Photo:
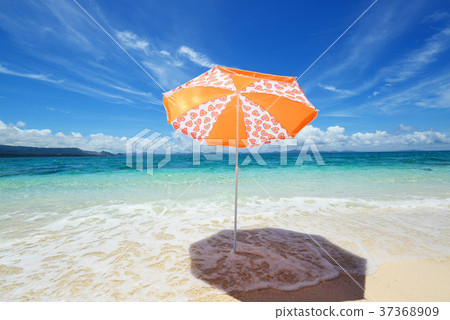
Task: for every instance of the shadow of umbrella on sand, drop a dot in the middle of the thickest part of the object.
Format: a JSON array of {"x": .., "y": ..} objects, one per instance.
[{"x": 278, "y": 265}]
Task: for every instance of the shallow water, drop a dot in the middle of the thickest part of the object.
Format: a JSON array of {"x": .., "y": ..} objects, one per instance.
[{"x": 94, "y": 229}]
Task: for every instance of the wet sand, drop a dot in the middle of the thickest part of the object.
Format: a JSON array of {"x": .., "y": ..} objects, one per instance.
[{"x": 412, "y": 281}]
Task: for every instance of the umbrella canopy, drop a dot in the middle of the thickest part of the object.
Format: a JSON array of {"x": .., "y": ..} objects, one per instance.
[
  {"x": 224, "y": 103},
  {"x": 238, "y": 108}
]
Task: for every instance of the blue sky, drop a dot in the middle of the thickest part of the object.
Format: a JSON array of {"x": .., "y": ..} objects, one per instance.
[{"x": 64, "y": 82}]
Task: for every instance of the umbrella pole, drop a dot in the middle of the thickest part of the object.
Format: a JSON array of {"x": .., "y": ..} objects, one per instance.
[{"x": 236, "y": 172}]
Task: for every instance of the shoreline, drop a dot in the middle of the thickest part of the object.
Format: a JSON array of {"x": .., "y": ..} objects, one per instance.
[{"x": 419, "y": 280}]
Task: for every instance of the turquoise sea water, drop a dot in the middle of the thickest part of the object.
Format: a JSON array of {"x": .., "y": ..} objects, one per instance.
[{"x": 64, "y": 220}]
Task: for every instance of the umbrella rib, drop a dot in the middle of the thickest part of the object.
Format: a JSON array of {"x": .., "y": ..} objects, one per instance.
[
  {"x": 268, "y": 96},
  {"x": 140, "y": 236},
  {"x": 225, "y": 110},
  {"x": 314, "y": 240}
]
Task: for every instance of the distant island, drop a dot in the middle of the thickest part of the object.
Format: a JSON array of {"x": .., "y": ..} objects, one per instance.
[{"x": 19, "y": 151}]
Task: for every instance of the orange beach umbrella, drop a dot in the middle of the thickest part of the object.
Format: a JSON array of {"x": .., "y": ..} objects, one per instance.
[{"x": 238, "y": 108}]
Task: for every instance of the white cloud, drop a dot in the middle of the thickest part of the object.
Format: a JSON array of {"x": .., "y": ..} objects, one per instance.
[
  {"x": 48, "y": 21},
  {"x": 160, "y": 71},
  {"x": 170, "y": 59},
  {"x": 12, "y": 135},
  {"x": 334, "y": 89},
  {"x": 147, "y": 96},
  {"x": 403, "y": 128},
  {"x": 166, "y": 66},
  {"x": 409, "y": 66},
  {"x": 428, "y": 93},
  {"x": 88, "y": 90},
  {"x": 168, "y": 74},
  {"x": 342, "y": 114},
  {"x": 367, "y": 40},
  {"x": 437, "y": 16},
  {"x": 359, "y": 52},
  {"x": 40, "y": 77},
  {"x": 416, "y": 60},
  {"x": 182, "y": 143},
  {"x": 20, "y": 124},
  {"x": 195, "y": 57},
  {"x": 331, "y": 139},
  {"x": 57, "y": 110},
  {"x": 88, "y": 60},
  {"x": 132, "y": 91},
  {"x": 374, "y": 94},
  {"x": 437, "y": 97},
  {"x": 334, "y": 138},
  {"x": 97, "y": 93},
  {"x": 130, "y": 40}
]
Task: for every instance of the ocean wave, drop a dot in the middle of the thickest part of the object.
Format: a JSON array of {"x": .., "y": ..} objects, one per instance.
[{"x": 140, "y": 251}]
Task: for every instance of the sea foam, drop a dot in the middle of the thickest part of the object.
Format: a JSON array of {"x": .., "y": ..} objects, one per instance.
[{"x": 135, "y": 251}]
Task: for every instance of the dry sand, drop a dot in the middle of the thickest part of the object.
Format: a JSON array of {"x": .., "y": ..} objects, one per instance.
[{"x": 415, "y": 280}]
